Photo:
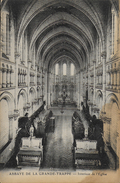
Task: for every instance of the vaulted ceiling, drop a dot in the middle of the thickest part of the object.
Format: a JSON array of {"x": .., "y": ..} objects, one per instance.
[{"x": 61, "y": 27}]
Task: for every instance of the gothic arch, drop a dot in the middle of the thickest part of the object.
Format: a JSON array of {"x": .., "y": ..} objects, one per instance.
[
  {"x": 24, "y": 95},
  {"x": 32, "y": 91},
  {"x": 99, "y": 94},
  {"x": 112, "y": 98},
  {"x": 99, "y": 97},
  {"x": 9, "y": 98}
]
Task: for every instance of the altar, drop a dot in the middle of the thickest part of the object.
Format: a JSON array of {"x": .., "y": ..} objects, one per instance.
[
  {"x": 30, "y": 153},
  {"x": 67, "y": 100}
]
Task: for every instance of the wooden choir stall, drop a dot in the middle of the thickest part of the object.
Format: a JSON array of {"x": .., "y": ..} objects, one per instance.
[{"x": 31, "y": 152}]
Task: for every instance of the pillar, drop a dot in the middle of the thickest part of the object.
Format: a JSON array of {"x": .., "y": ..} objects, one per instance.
[
  {"x": 103, "y": 55},
  {"x": 7, "y": 78},
  {"x": 112, "y": 79},
  {"x": 118, "y": 78},
  {"x": 17, "y": 60},
  {"x": 23, "y": 48},
  {"x": 3, "y": 77},
  {"x": 28, "y": 79},
  {"x": 22, "y": 77},
  {"x": 113, "y": 19},
  {"x": 94, "y": 82},
  {"x": 115, "y": 77},
  {"x": 79, "y": 91},
  {"x": 81, "y": 88},
  {"x": 109, "y": 79},
  {"x": 45, "y": 87},
  {"x": 48, "y": 89},
  {"x": 36, "y": 74},
  {"x": 10, "y": 78}
]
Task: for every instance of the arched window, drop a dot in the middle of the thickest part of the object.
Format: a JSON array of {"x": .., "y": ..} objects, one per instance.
[
  {"x": 72, "y": 68},
  {"x": 56, "y": 68},
  {"x": 64, "y": 69}
]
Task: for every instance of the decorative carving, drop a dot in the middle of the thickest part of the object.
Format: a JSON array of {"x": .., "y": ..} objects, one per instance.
[
  {"x": 103, "y": 54},
  {"x": 10, "y": 116},
  {"x": 32, "y": 74},
  {"x": 17, "y": 55},
  {"x": 26, "y": 107},
  {"x": 4, "y": 69},
  {"x": 16, "y": 114},
  {"x": 29, "y": 61},
  {"x": 23, "y": 62},
  {"x": 32, "y": 66}
]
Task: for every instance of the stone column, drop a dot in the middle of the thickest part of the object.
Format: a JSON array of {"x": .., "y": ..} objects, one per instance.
[
  {"x": 1, "y": 78},
  {"x": 79, "y": 91},
  {"x": 113, "y": 24},
  {"x": 101, "y": 78},
  {"x": 7, "y": 71},
  {"x": 61, "y": 63},
  {"x": 36, "y": 66},
  {"x": 4, "y": 77},
  {"x": 45, "y": 86},
  {"x": 103, "y": 55},
  {"x": 77, "y": 87},
  {"x": 109, "y": 79},
  {"x": 17, "y": 61},
  {"x": 81, "y": 88},
  {"x": 115, "y": 78},
  {"x": 22, "y": 77},
  {"x": 52, "y": 89},
  {"x": 19, "y": 79},
  {"x": 28, "y": 79},
  {"x": 23, "y": 48},
  {"x": 89, "y": 93},
  {"x": 8, "y": 77},
  {"x": 48, "y": 89},
  {"x": 118, "y": 78},
  {"x": 94, "y": 83},
  {"x": 112, "y": 79}
]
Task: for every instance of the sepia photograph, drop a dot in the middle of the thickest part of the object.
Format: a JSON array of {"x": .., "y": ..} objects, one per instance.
[{"x": 60, "y": 91}]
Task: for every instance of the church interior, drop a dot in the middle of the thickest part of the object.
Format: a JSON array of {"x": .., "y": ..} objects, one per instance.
[{"x": 60, "y": 84}]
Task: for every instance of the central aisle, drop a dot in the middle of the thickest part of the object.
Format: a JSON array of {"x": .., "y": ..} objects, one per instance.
[{"x": 58, "y": 149}]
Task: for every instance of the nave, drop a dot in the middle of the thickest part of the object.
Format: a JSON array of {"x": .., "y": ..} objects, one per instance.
[{"x": 58, "y": 149}]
